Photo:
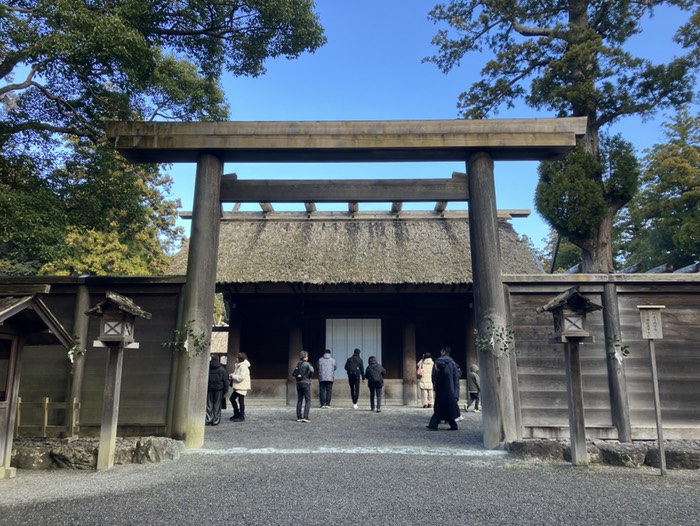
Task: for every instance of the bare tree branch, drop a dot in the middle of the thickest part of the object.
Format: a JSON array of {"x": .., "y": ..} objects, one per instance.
[{"x": 22, "y": 85}]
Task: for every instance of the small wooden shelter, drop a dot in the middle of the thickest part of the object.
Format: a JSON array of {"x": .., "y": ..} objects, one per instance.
[{"x": 24, "y": 320}]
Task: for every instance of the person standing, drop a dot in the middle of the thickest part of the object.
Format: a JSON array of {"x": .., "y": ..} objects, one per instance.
[
  {"x": 424, "y": 372},
  {"x": 445, "y": 402},
  {"x": 240, "y": 381},
  {"x": 216, "y": 388},
  {"x": 473, "y": 388},
  {"x": 355, "y": 368},
  {"x": 445, "y": 378},
  {"x": 302, "y": 374},
  {"x": 375, "y": 381},
  {"x": 326, "y": 376}
]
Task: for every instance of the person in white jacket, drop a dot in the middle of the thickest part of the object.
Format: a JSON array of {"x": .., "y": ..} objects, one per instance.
[
  {"x": 240, "y": 381},
  {"x": 424, "y": 371}
]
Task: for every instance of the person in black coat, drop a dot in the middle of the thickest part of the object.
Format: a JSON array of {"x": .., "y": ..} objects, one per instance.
[
  {"x": 217, "y": 387},
  {"x": 355, "y": 368},
  {"x": 375, "y": 381},
  {"x": 445, "y": 383}
]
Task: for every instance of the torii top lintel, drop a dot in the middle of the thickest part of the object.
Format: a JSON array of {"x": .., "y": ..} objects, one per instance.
[{"x": 346, "y": 141}]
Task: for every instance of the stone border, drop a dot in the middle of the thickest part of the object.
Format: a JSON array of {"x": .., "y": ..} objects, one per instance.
[
  {"x": 53, "y": 453},
  {"x": 680, "y": 454}
]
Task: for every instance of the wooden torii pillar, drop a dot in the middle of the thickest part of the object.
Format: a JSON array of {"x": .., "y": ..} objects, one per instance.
[
  {"x": 198, "y": 303},
  {"x": 499, "y": 419},
  {"x": 478, "y": 143}
]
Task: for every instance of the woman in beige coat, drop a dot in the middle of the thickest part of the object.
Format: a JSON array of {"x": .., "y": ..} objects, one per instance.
[
  {"x": 425, "y": 381},
  {"x": 240, "y": 381}
]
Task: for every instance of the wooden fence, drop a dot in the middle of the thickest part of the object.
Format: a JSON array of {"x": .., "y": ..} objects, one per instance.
[{"x": 70, "y": 428}]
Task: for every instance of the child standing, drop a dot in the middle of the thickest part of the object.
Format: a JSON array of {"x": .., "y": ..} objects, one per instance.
[
  {"x": 375, "y": 381},
  {"x": 473, "y": 388}
]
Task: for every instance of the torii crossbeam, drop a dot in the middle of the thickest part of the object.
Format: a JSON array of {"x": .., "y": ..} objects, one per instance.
[{"x": 478, "y": 143}]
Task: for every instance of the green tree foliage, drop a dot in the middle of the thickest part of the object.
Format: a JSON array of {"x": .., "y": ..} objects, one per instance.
[
  {"x": 32, "y": 219},
  {"x": 569, "y": 58},
  {"x": 662, "y": 223},
  {"x": 580, "y": 195},
  {"x": 68, "y": 66},
  {"x": 566, "y": 253}
]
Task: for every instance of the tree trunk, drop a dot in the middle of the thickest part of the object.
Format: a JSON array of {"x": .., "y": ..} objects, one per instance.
[{"x": 596, "y": 256}]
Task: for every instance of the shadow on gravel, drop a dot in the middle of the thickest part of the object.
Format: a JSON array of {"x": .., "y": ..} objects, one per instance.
[{"x": 394, "y": 427}]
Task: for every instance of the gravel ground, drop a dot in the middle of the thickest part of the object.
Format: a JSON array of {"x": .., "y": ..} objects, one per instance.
[{"x": 349, "y": 467}]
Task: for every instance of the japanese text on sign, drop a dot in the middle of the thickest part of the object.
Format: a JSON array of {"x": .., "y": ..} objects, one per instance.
[{"x": 651, "y": 323}]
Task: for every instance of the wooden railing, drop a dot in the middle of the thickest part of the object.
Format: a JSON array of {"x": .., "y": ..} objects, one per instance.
[{"x": 70, "y": 428}]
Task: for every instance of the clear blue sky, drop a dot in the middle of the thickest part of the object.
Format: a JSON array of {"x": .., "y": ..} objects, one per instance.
[{"x": 371, "y": 69}]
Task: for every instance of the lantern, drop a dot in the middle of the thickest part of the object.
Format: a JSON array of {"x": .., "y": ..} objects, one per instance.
[
  {"x": 117, "y": 315},
  {"x": 569, "y": 310}
]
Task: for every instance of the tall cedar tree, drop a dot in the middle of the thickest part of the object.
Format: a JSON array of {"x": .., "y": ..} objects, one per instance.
[
  {"x": 67, "y": 67},
  {"x": 662, "y": 224},
  {"x": 569, "y": 58}
]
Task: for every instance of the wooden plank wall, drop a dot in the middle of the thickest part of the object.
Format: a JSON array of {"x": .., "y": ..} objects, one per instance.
[
  {"x": 46, "y": 368},
  {"x": 146, "y": 372},
  {"x": 677, "y": 359},
  {"x": 541, "y": 375}
]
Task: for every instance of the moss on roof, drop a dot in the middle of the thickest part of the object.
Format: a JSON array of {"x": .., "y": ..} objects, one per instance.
[{"x": 319, "y": 252}]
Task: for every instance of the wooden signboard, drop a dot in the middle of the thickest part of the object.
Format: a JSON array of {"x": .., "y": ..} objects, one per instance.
[{"x": 651, "y": 321}]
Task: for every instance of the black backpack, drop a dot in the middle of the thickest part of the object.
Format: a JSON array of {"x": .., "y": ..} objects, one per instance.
[
  {"x": 297, "y": 373},
  {"x": 352, "y": 367}
]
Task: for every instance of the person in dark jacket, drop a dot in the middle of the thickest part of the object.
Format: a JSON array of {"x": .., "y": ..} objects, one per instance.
[
  {"x": 446, "y": 385},
  {"x": 217, "y": 387},
  {"x": 375, "y": 381},
  {"x": 302, "y": 374},
  {"x": 473, "y": 388},
  {"x": 355, "y": 368}
]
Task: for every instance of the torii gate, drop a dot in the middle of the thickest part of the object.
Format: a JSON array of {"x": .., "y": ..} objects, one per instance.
[{"x": 478, "y": 143}]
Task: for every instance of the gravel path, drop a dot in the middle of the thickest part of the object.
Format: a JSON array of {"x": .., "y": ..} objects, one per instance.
[{"x": 349, "y": 467}]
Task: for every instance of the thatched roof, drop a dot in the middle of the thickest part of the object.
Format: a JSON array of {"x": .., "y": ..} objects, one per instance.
[{"x": 322, "y": 252}]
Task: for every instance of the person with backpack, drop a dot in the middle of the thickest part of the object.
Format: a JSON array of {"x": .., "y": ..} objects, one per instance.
[
  {"x": 375, "y": 381},
  {"x": 355, "y": 367},
  {"x": 302, "y": 374}
]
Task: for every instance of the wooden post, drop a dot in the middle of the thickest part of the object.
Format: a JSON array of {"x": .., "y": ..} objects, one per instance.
[
  {"x": 18, "y": 416},
  {"x": 498, "y": 420},
  {"x": 657, "y": 408},
  {"x": 13, "y": 375},
  {"x": 198, "y": 303},
  {"x": 234, "y": 335},
  {"x": 73, "y": 411},
  {"x": 652, "y": 329},
  {"x": 44, "y": 415},
  {"x": 80, "y": 329},
  {"x": 513, "y": 362},
  {"x": 110, "y": 407},
  {"x": 409, "y": 363},
  {"x": 295, "y": 347},
  {"x": 574, "y": 393},
  {"x": 617, "y": 383}
]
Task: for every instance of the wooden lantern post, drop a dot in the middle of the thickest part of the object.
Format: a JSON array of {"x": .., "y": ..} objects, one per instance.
[
  {"x": 117, "y": 316},
  {"x": 651, "y": 330},
  {"x": 569, "y": 310}
]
